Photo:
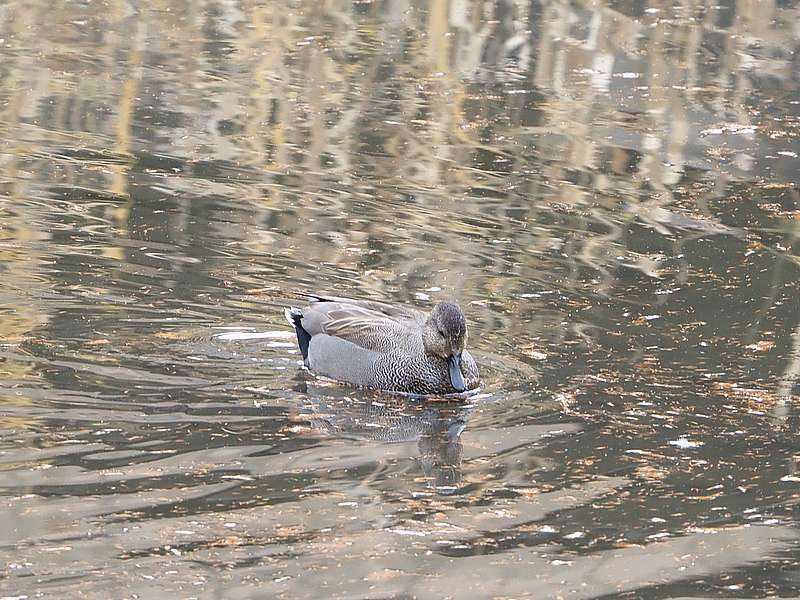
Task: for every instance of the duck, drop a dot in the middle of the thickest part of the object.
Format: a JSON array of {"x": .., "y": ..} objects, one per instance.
[{"x": 384, "y": 346}]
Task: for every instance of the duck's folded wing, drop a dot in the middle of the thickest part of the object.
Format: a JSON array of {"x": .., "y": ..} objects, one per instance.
[
  {"x": 369, "y": 329},
  {"x": 399, "y": 313}
]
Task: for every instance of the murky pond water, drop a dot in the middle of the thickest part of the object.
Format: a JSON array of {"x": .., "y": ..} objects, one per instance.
[{"x": 610, "y": 190}]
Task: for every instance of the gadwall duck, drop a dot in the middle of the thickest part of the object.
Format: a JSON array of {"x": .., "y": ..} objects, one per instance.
[{"x": 377, "y": 345}]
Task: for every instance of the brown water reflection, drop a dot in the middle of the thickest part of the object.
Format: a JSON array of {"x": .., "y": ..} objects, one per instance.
[{"x": 610, "y": 190}]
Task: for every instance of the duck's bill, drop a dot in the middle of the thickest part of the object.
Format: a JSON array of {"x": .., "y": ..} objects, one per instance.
[{"x": 456, "y": 378}]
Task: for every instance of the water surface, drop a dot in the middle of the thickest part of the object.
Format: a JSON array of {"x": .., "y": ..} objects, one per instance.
[{"x": 611, "y": 191}]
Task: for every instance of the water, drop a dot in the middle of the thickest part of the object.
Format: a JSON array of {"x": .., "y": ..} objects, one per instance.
[{"x": 610, "y": 191}]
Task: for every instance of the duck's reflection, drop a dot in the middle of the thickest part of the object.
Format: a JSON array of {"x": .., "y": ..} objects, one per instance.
[{"x": 435, "y": 425}]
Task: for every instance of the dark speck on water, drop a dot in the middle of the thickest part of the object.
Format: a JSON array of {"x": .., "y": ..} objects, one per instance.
[{"x": 610, "y": 191}]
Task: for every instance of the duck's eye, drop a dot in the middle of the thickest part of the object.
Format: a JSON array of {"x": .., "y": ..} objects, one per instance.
[{"x": 440, "y": 332}]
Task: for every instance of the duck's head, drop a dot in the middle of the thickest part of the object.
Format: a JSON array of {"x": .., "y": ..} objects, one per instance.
[{"x": 445, "y": 336}]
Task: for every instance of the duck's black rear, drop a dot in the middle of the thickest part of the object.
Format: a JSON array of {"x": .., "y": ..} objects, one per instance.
[{"x": 295, "y": 316}]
